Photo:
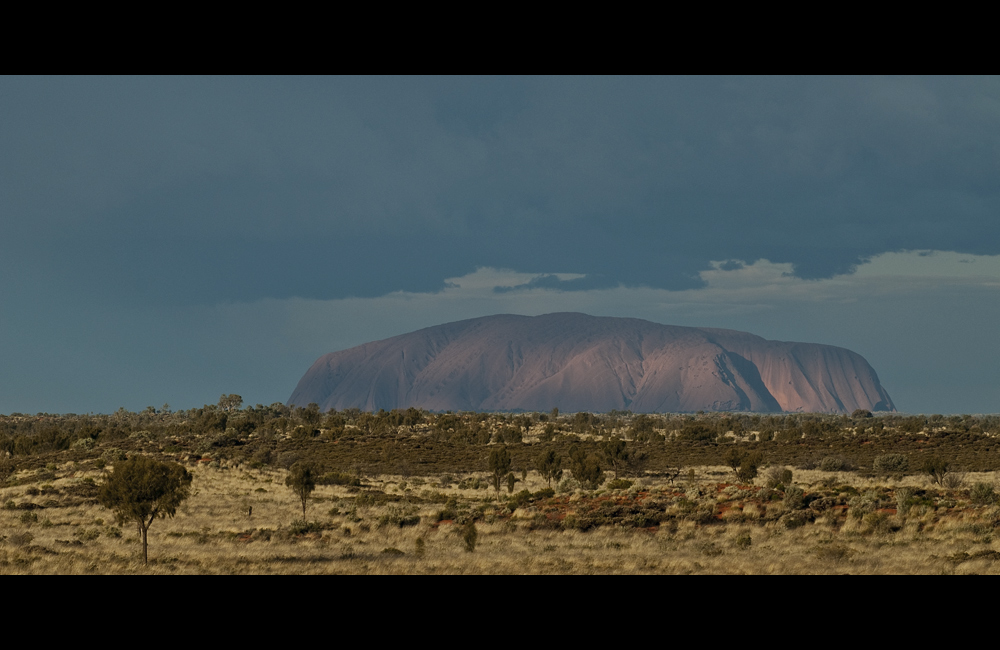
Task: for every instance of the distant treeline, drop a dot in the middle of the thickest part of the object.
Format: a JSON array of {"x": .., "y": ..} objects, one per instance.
[{"x": 260, "y": 434}]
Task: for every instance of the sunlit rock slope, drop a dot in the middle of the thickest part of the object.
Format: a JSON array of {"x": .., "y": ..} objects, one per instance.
[{"x": 584, "y": 363}]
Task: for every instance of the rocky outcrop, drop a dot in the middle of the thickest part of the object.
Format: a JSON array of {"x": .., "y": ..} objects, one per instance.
[{"x": 585, "y": 363}]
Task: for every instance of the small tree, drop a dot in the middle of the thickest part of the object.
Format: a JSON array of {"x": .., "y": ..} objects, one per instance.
[
  {"x": 744, "y": 464},
  {"x": 302, "y": 479},
  {"x": 141, "y": 489},
  {"x": 231, "y": 402},
  {"x": 586, "y": 468},
  {"x": 499, "y": 464},
  {"x": 616, "y": 452},
  {"x": 548, "y": 463}
]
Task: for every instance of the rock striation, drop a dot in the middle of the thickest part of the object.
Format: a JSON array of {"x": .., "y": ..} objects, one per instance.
[{"x": 585, "y": 363}]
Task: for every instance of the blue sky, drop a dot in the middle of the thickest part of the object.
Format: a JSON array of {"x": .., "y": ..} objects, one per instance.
[{"x": 173, "y": 239}]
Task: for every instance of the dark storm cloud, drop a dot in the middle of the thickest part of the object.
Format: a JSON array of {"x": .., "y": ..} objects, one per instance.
[{"x": 196, "y": 190}]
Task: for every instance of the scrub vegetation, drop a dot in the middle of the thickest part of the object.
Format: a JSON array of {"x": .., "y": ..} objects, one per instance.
[{"x": 273, "y": 489}]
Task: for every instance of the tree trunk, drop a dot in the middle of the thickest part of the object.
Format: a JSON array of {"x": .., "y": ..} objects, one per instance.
[{"x": 145, "y": 556}]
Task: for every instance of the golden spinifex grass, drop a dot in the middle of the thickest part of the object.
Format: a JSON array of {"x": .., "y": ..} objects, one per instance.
[{"x": 241, "y": 520}]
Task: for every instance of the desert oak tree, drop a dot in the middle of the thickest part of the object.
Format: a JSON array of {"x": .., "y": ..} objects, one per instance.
[
  {"x": 302, "y": 479},
  {"x": 141, "y": 489}
]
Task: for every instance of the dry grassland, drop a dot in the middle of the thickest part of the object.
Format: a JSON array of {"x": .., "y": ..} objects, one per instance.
[{"x": 242, "y": 521}]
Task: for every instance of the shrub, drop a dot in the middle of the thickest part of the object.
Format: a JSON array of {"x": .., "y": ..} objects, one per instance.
[
  {"x": 472, "y": 483},
  {"x": 20, "y": 539},
  {"x": 982, "y": 494},
  {"x": 904, "y": 499},
  {"x": 877, "y": 523},
  {"x": 470, "y": 535},
  {"x": 833, "y": 552},
  {"x": 743, "y": 463},
  {"x": 794, "y": 498},
  {"x": 619, "y": 484},
  {"x": 953, "y": 480},
  {"x": 87, "y": 535},
  {"x": 864, "y": 504},
  {"x": 792, "y": 521},
  {"x": 935, "y": 467},
  {"x": 743, "y": 541},
  {"x": 894, "y": 464},
  {"x": 544, "y": 493},
  {"x": 777, "y": 475},
  {"x": 835, "y": 464},
  {"x": 697, "y": 433},
  {"x": 113, "y": 455},
  {"x": 302, "y": 527},
  {"x": 263, "y": 456}
]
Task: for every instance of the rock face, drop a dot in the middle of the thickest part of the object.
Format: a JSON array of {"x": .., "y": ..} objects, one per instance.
[{"x": 585, "y": 363}]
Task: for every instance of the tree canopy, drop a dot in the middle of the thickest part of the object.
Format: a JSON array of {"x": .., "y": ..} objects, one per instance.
[{"x": 141, "y": 489}]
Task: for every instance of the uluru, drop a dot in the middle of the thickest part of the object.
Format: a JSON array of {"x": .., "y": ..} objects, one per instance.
[{"x": 578, "y": 362}]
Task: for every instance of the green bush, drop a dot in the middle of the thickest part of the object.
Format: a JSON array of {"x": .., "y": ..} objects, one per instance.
[
  {"x": 835, "y": 464},
  {"x": 744, "y": 464},
  {"x": 586, "y": 468},
  {"x": 891, "y": 464},
  {"x": 618, "y": 484},
  {"x": 519, "y": 500}
]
